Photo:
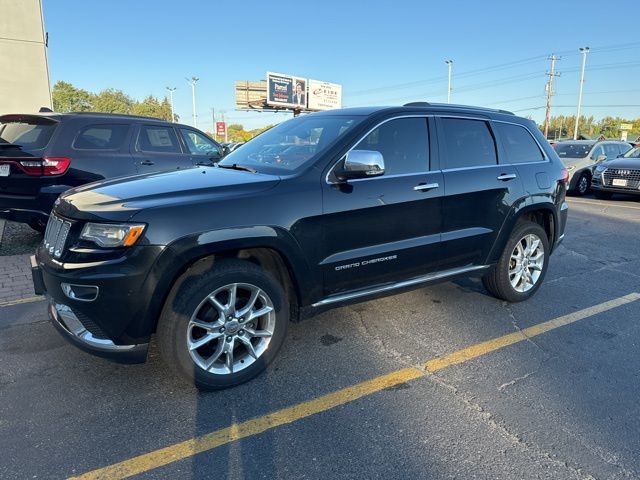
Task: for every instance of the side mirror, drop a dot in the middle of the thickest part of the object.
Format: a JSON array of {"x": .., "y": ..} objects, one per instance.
[
  {"x": 361, "y": 164},
  {"x": 601, "y": 158}
]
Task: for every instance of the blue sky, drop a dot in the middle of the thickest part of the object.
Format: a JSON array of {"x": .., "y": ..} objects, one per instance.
[{"x": 383, "y": 53}]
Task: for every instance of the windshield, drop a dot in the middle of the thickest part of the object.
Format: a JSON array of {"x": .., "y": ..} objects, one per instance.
[
  {"x": 29, "y": 136},
  {"x": 573, "y": 150},
  {"x": 292, "y": 144},
  {"x": 633, "y": 153}
]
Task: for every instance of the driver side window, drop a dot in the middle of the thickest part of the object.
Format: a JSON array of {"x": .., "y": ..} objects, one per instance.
[
  {"x": 403, "y": 143},
  {"x": 597, "y": 152},
  {"x": 198, "y": 144}
]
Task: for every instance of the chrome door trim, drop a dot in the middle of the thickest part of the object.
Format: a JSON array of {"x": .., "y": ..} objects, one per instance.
[
  {"x": 394, "y": 286},
  {"x": 425, "y": 187},
  {"x": 507, "y": 176}
]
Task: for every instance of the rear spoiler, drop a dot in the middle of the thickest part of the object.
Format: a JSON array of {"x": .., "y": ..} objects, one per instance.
[{"x": 29, "y": 118}]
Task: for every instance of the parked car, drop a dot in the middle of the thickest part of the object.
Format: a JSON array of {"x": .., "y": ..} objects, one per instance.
[
  {"x": 43, "y": 155},
  {"x": 620, "y": 175},
  {"x": 217, "y": 260},
  {"x": 581, "y": 156}
]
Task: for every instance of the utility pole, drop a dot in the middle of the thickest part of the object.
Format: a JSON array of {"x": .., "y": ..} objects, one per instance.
[
  {"x": 225, "y": 128},
  {"x": 552, "y": 73},
  {"x": 215, "y": 130},
  {"x": 449, "y": 64},
  {"x": 171, "y": 90},
  {"x": 192, "y": 81},
  {"x": 584, "y": 51}
]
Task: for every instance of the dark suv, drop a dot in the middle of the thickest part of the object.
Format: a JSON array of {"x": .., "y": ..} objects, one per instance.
[
  {"x": 218, "y": 260},
  {"x": 43, "y": 155}
]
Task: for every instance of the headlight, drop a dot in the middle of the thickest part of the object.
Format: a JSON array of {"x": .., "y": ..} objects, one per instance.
[
  {"x": 600, "y": 168},
  {"x": 111, "y": 235}
]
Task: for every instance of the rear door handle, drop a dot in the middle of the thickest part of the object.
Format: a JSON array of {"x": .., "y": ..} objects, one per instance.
[
  {"x": 423, "y": 187},
  {"x": 147, "y": 162},
  {"x": 507, "y": 176}
]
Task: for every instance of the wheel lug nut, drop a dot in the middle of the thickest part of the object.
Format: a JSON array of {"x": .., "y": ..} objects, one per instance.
[
  {"x": 229, "y": 338},
  {"x": 221, "y": 329},
  {"x": 241, "y": 332}
]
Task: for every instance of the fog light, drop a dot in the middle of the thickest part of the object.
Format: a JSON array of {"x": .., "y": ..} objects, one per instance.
[{"x": 82, "y": 293}]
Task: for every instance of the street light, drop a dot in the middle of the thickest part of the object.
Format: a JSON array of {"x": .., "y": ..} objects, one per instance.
[
  {"x": 192, "y": 81},
  {"x": 584, "y": 51},
  {"x": 171, "y": 90},
  {"x": 449, "y": 64}
]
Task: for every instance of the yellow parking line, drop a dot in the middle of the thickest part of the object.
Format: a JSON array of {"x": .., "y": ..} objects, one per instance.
[
  {"x": 603, "y": 204},
  {"x": 193, "y": 446},
  {"x": 9, "y": 303}
]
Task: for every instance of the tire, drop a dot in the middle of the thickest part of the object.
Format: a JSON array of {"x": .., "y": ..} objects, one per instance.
[
  {"x": 583, "y": 185},
  {"x": 499, "y": 280},
  {"x": 38, "y": 225},
  {"x": 602, "y": 195},
  {"x": 189, "y": 309}
]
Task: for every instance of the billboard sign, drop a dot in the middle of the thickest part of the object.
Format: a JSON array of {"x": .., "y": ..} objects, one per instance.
[
  {"x": 221, "y": 129},
  {"x": 286, "y": 91},
  {"x": 324, "y": 95}
]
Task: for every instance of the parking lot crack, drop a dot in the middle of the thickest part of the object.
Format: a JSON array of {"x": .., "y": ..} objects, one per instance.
[
  {"x": 516, "y": 440},
  {"x": 514, "y": 322}
]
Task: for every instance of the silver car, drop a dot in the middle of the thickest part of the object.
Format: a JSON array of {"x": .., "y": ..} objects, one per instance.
[{"x": 582, "y": 156}]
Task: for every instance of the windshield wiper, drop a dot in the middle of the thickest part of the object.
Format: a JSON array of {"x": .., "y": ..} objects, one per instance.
[
  {"x": 235, "y": 166},
  {"x": 9, "y": 145}
]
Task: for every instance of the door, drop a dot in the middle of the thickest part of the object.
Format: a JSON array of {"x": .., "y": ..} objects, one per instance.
[
  {"x": 156, "y": 149},
  {"x": 202, "y": 150},
  {"x": 478, "y": 193},
  {"x": 387, "y": 228}
]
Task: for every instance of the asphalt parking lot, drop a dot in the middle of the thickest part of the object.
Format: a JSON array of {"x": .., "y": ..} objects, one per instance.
[{"x": 441, "y": 382}]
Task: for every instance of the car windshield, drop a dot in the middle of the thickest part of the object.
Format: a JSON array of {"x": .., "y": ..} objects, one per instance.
[
  {"x": 633, "y": 153},
  {"x": 572, "y": 150},
  {"x": 291, "y": 145}
]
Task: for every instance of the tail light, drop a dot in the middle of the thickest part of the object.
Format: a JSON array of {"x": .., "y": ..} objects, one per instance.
[
  {"x": 46, "y": 166},
  {"x": 565, "y": 176}
]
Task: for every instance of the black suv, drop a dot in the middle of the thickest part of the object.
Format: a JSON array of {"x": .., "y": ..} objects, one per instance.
[
  {"x": 218, "y": 260},
  {"x": 43, "y": 155}
]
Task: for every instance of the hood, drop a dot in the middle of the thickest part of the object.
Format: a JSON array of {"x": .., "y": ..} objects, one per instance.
[
  {"x": 631, "y": 163},
  {"x": 120, "y": 199}
]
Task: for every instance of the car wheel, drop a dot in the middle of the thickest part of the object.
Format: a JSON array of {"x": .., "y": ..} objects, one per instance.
[
  {"x": 522, "y": 265},
  {"x": 602, "y": 195},
  {"x": 223, "y": 327},
  {"x": 583, "y": 185},
  {"x": 38, "y": 225}
]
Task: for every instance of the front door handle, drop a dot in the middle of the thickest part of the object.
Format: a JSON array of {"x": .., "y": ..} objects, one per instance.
[
  {"x": 423, "y": 187},
  {"x": 147, "y": 162},
  {"x": 507, "y": 176}
]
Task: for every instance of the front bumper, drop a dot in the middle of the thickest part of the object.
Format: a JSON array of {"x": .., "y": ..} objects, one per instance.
[
  {"x": 596, "y": 184},
  {"x": 68, "y": 324}
]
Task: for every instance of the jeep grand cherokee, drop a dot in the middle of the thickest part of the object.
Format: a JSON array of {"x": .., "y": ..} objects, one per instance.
[{"x": 217, "y": 260}]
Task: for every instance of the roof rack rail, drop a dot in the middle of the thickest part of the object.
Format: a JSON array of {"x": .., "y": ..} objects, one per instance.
[
  {"x": 109, "y": 114},
  {"x": 417, "y": 104}
]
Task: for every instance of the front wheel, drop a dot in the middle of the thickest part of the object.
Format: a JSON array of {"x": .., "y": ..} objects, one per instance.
[
  {"x": 223, "y": 327},
  {"x": 584, "y": 185},
  {"x": 522, "y": 265}
]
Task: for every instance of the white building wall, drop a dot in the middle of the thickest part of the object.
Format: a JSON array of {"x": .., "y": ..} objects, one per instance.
[{"x": 24, "y": 74}]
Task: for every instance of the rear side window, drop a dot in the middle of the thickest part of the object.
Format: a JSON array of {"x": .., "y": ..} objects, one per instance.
[
  {"x": 158, "y": 139},
  {"x": 101, "y": 137},
  {"x": 518, "y": 143},
  {"x": 468, "y": 143},
  {"x": 403, "y": 143},
  {"x": 30, "y": 136}
]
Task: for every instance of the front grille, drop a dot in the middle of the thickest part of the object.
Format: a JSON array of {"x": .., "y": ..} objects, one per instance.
[
  {"x": 632, "y": 176},
  {"x": 55, "y": 236}
]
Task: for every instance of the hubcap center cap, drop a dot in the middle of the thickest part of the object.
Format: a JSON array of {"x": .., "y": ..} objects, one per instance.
[{"x": 232, "y": 327}]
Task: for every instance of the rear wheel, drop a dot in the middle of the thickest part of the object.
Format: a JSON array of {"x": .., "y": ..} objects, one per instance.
[
  {"x": 522, "y": 265},
  {"x": 602, "y": 195},
  {"x": 223, "y": 327}
]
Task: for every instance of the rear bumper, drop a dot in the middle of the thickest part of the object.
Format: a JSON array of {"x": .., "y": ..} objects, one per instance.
[
  {"x": 562, "y": 218},
  {"x": 25, "y": 208}
]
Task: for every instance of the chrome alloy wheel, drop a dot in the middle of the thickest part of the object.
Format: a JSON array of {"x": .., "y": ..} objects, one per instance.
[
  {"x": 231, "y": 328},
  {"x": 526, "y": 263},
  {"x": 583, "y": 185}
]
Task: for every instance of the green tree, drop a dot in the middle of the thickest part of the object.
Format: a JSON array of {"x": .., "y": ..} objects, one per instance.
[
  {"x": 152, "y": 107},
  {"x": 67, "y": 98},
  {"x": 113, "y": 101}
]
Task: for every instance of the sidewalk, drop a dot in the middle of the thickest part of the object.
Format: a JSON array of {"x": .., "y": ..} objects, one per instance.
[{"x": 15, "y": 278}]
